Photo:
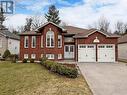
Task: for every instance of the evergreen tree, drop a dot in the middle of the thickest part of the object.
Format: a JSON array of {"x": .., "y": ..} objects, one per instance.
[
  {"x": 53, "y": 15},
  {"x": 2, "y": 18}
]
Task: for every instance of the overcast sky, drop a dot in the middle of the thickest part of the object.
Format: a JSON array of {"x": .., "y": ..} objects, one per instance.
[{"x": 80, "y": 13}]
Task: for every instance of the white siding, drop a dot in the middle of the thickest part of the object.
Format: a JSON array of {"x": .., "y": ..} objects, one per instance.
[
  {"x": 122, "y": 51},
  {"x": 3, "y": 44},
  {"x": 13, "y": 46}
]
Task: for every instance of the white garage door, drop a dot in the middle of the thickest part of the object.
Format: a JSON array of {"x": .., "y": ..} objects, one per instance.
[
  {"x": 86, "y": 53},
  {"x": 106, "y": 53}
]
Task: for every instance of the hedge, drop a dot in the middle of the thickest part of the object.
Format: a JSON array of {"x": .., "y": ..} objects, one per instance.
[
  {"x": 24, "y": 60},
  {"x": 60, "y": 69}
]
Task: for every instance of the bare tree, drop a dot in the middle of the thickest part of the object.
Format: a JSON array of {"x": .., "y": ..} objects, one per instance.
[
  {"x": 37, "y": 21},
  {"x": 20, "y": 29},
  {"x": 120, "y": 28},
  {"x": 27, "y": 27},
  {"x": 103, "y": 24}
]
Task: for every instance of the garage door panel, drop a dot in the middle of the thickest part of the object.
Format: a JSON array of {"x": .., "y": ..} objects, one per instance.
[
  {"x": 86, "y": 53},
  {"x": 106, "y": 53}
]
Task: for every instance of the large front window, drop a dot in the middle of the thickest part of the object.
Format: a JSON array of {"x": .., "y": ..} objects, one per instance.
[{"x": 50, "y": 39}]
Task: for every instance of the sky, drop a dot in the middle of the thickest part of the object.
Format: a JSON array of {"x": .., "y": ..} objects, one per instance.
[{"x": 80, "y": 13}]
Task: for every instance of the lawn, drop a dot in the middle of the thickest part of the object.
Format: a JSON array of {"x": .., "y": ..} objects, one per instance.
[{"x": 33, "y": 79}]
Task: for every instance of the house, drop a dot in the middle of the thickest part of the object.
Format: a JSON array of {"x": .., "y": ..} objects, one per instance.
[
  {"x": 62, "y": 43},
  {"x": 8, "y": 41},
  {"x": 122, "y": 48}
]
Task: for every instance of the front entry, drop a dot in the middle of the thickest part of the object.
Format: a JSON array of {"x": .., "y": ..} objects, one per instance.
[{"x": 69, "y": 51}]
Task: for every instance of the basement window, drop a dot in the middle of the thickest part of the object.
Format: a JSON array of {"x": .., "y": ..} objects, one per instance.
[{"x": 50, "y": 56}]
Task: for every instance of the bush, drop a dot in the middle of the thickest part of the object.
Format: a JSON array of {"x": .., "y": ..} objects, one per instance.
[
  {"x": 31, "y": 60},
  {"x": 6, "y": 53},
  {"x": 61, "y": 69},
  {"x": 43, "y": 59},
  {"x": 24, "y": 61},
  {"x": 12, "y": 57}
]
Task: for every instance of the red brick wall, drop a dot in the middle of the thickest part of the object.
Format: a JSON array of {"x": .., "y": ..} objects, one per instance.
[
  {"x": 102, "y": 38},
  {"x": 38, "y": 50}
]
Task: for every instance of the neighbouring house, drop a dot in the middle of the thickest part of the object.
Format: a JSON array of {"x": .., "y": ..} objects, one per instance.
[
  {"x": 62, "y": 43},
  {"x": 122, "y": 48},
  {"x": 8, "y": 41}
]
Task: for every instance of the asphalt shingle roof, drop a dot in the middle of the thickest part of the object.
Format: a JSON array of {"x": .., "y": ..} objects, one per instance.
[{"x": 7, "y": 33}]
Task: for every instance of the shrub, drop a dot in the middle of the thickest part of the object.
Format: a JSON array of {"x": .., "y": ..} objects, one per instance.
[
  {"x": 6, "y": 53},
  {"x": 24, "y": 61},
  {"x": 43, "y": 59},
  {"x": 12, "y": 57},
  {"x": 61, "y": 69},
  {"x": 32, "y": 60}
]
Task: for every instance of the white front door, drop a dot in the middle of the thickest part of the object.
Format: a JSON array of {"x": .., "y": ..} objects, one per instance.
[
  {"x": 87, "y": 53},
  {"x": 106, "y": 52},
  {"x": 69, "y": 51}
]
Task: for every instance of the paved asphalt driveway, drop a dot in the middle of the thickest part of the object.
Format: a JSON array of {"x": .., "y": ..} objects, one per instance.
[{"x": 105, "y": 78}]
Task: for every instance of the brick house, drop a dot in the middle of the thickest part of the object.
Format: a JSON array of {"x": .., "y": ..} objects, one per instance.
[{"x": 62, "y": 43}]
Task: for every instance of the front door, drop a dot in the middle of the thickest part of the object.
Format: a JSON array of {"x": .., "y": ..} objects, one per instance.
[{"x": 69, "y": 51}]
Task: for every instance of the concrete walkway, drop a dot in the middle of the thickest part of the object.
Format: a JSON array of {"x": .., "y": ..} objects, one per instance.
[{"x": 105, "y": 78}]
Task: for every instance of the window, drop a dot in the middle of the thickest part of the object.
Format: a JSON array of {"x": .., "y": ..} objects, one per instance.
[
  {"x": 33, "y": 44},
  {"x": 33, "y": 56},
  {"x": 90, "y": 47},
  {"x": 71, "y": 49},
  {"x": 59, "y": 56},
  {"x": 101, "y": 46},
  {"x": 42, "y": 41},
  {"x": 26, "y": 42},
  {"x": 109, "y": 46},
  {"x": 0, "y": 42},
  {"x": 42, "y": 55},
  {"x": 66, "y": 48},
  {"x": 50, "y": 56},
  {"x": 50, "y": 39},
  {"x": 59, "y": 41},
  {"x": 82, "y": 46},
  {"x": 26, "y": 56}
]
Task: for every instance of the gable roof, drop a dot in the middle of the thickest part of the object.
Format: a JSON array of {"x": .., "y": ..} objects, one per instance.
[
  {"x": 50, "y": 23},
  {"x": 123, "y": 39},
  {"x": 75, "y": 30},
  {"x": 8, "y": 34},
  {"x": 91, "y": 31},
  {"x": 71, "y": 30}
]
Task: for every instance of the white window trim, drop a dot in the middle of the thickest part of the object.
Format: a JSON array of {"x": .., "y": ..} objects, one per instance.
[
  {"x": 33, "y": 56},
  {"x": 42, "y": 41},
  {"x": 1, "y": 43},
  {"x": 50, "y": 33},
  {"x": 26, "y": 56},
  {"x": 33, "y": 37},
  {"x": 26, "y": 37},
  {"x": 59, "y": 56},
  {"x": 60, "y": 37},
  {"x": 50, "y": 56}
]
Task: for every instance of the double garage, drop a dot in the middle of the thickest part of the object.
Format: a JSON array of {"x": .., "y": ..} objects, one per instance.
[
  {"x": 97, "y": 46},
  {"x": 96, "y": 53}
]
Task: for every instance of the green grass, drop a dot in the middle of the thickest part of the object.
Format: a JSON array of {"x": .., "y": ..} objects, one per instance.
[{"x": 33, "y": 79}]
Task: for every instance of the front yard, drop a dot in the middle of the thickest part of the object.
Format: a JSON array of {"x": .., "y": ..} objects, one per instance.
[{"x": 33, "y": 79}]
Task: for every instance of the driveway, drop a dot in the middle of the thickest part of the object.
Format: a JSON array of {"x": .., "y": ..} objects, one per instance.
[{"x": 105, "y": 78}]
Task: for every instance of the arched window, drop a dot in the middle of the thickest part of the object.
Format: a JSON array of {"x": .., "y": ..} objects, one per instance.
[{"x": 50, "y": 39}]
